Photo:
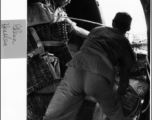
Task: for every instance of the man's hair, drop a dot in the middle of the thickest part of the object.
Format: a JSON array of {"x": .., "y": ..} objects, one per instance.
[
  {"x": 122, "y": 21},
  {"x": 35, "y": 1}
]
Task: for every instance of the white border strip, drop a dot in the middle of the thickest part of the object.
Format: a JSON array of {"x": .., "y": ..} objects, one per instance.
[
  {"x": 13, "y": 71},
  {"x": 13, "y": 9}
]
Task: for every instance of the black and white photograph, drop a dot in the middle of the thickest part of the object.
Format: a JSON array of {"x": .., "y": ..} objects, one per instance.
[
  {"x": 85, "y": 60},
  {"x": 88, "y": 60}
]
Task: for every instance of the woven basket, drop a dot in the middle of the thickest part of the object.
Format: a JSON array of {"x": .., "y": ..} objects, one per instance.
[
  {"x": 40, "y": 71},
  {"x": 37, "y": 105}
]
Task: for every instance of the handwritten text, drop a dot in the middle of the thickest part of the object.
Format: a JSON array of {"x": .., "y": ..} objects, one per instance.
[
  {"x": 16, "y": 29},
  {"x": 6, "y": 37}
]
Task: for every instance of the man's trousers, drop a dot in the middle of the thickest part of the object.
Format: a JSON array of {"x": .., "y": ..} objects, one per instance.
[{"x": 76, "y": 85}]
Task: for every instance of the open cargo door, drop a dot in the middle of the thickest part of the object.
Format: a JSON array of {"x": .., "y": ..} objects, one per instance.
[
  {"x": 146, "y": 9},
  {"x": 90, "y": 10}
]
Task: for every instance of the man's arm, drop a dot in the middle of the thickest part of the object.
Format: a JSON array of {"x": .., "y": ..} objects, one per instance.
[
  {"x": 81, "y": 32},
  {"x": 125, "y": 66},
  {"x": 124, "y": 80},
  {"x": 78, "y": 30},
  {"x": 60, "y": 15}
]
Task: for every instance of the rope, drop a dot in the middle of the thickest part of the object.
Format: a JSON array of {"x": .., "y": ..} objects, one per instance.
[
  {"x": 82, "y": 20},
  {"x": 86, "y": 21}
]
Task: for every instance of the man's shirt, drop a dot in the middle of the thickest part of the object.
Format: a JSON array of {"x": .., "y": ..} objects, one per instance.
[{"x": 103, "y": 49}]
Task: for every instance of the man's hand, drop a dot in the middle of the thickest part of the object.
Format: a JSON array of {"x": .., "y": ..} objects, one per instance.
[
  {"x": 59, "y": 15},
  {"x": 124, "y": 80},
  {"x": 122, "y": 89}
]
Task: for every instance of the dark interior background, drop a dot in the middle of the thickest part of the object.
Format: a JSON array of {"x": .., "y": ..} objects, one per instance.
[{"x": 83, "y": 9}]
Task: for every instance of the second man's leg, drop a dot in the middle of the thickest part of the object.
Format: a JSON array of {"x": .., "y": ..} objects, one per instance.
[
  {"x": 102, "y": 91},
  {"x": 68, "y": 96}
]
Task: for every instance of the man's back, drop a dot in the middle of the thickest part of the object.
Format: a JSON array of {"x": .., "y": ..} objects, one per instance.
[{"x": 110, "y": 40}]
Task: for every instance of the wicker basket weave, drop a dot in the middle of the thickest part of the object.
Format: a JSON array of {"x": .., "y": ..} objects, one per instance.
[
  {"x": 40, "y": 72},
  {"x": 38, "y": 75}
]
